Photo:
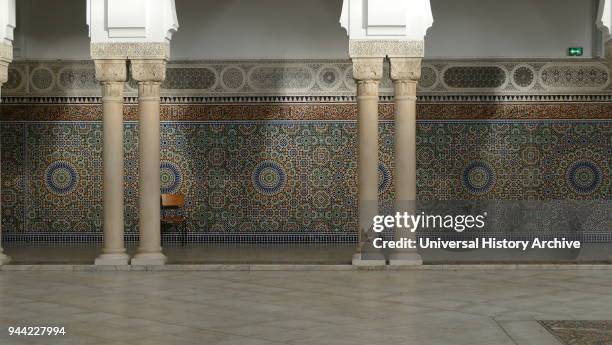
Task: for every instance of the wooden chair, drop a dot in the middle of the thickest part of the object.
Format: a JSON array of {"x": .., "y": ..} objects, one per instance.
[{"x": 172, "y": 213}]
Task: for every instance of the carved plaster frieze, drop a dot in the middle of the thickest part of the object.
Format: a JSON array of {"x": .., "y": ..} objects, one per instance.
[
  {"x": 148, "y": 70},
  {"x": 111, "y": 70},
  {"x": 324, "y": 80},
  {"x": 367, "y": 68},
  {"x": 383, "y": 48},
  {"x": 130, "y": 50},
  {"x": 3, "y": 72},
  {"x": 405, "y": 68}
]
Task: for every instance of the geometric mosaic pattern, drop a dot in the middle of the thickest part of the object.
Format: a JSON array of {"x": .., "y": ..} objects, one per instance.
[{"x": 293, "y": 176}]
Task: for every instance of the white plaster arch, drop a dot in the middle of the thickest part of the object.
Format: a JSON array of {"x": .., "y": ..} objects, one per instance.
[
  {"x": 126, "y": 21},
  {"x": 386, "y": 19},
  {"x": 7, "y": 21},
  {"x": 604, "y": 19}
]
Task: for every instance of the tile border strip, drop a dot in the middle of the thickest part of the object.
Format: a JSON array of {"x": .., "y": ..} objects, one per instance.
[
  {"x": 305, "y": 267},
  {"x": 314, "y": 111},
  {"x": 271, "y": 238}
]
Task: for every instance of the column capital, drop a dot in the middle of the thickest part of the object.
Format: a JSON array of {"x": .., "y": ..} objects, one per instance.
[
  {"x": 111, "y": 70},
  {"x": 3, "y": 73},
  {"x": 148, "y": 70},
  {"x": 368, "y": 68},
  {"x": 608, "y": 52},
  {"x": 405, "y": 68},
  {"x": 6, "y": 56},
  {"x": 6, "y": 53}
]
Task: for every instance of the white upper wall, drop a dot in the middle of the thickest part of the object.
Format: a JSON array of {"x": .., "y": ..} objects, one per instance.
[
  {"x": 516, "y": 28},
  {"x": 298, "y": 29},
  {"x": 266, "y": 29},
  {"x": 46, "y": 31}
]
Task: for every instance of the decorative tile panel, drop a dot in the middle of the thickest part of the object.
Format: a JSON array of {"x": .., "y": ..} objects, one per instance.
[
  {"x": 569, "y": 76},
  {"x": 475, "y": 77},
  {"x": 293, "y": 176},
  {"x": 14, "y": 176}
]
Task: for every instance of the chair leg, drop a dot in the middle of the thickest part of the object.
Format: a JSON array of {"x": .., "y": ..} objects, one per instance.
[{"x": 161, "y": 233}]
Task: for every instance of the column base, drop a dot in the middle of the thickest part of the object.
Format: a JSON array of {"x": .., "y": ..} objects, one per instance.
[
  {"x": 369, "y": 259},
  {"x": 113, "y": 260},
  {"x": 149, "y": 259},
  {"x": 405, "y": 259},
  {"x": 4, "y": 259}
]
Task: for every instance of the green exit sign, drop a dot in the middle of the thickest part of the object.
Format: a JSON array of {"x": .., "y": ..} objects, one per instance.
[{"x": 575, "y": 51}]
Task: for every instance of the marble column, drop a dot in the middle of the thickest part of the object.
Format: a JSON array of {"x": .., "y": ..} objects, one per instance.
[
  {"x": 6, "y": 56},
  {"x": 405, "y": 73},
  {"x": 149, "y": 74},
  {"x": 367, "y": 73},
  {"x": 112, "y": 75},
  {"x": 608, "y": 52}
]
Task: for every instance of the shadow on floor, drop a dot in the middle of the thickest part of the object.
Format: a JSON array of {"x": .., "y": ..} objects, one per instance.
[{"x": 85, "y": 254}]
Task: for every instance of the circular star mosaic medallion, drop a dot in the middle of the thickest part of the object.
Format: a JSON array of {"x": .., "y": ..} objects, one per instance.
[
  {"x": 61, "y": 178},
  {"x": 584, "y": 177},
  {"x": 328, "y": 77},
  {"x": 233, "y": 78},
  {"x": 384, "y": 178},
  {"x": 171, "y": 177},
  {"x": 429, "y": 77},
  {"x": 523, "y": 76},
  {"x": 478, "y": 177},
  {"x": 269, "y": 178}
]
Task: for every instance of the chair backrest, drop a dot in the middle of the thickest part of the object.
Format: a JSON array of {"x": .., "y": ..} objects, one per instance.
[{"x": 173, "y": 200}]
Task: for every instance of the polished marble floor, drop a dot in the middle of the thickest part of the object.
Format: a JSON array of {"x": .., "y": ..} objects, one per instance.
[{"x": 458, "y": 307}]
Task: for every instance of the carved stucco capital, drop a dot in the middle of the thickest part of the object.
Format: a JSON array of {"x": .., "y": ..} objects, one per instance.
[
  {"x": 3, "y": 73},
  {"x": 367, "y": 88},
  {"x": 6, "y": 56},
  {"x": 149, "y": 90},
  {"x": 608, "y": 52},
  {"x": 367, "y": 68},
  {"x": 408, "y": 69},
  {"x": 6, "y": 53},
  {"x": 405, "y": 88},
  {"x": 111, "y": 70},
  {"x": 148, "y": 70},
  {"x": 112, "y": 91},
  {"x": 384, "y": 48}
]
